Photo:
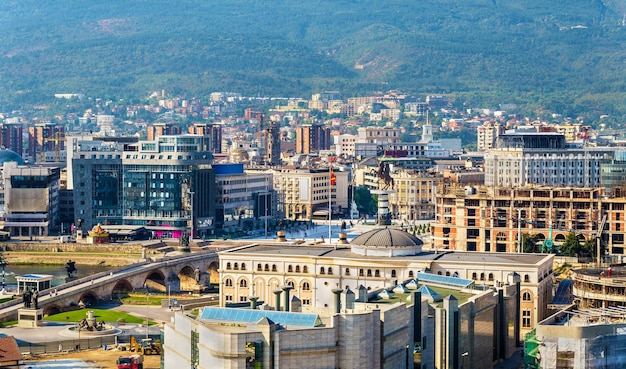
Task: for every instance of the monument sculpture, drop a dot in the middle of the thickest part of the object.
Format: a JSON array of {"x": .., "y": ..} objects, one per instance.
[
  {"x": 70, "y": 267},
  {"x": 384, "y": 175}
]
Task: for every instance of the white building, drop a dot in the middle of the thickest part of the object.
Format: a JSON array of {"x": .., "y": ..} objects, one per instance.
[{"x": 542, "y": 159}]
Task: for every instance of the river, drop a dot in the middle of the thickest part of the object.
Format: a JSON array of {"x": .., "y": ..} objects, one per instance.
[{"x": 57, "y": 271}]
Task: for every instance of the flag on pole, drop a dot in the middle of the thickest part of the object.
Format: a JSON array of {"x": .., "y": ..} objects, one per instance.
[{"x": 333, "y": 177}]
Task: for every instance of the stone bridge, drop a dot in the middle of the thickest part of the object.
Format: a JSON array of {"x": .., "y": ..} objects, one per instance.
[{"x": 176, "y": 274}]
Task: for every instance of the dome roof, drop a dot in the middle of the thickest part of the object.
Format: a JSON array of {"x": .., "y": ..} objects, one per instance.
[
  {"x": 387, "y": 237},
  {"x": 386, "y": 242},
  {"x": 7, "y": 155}
]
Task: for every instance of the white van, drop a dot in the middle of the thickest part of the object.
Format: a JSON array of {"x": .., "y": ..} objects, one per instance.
[{"x": 67, "y": 239}]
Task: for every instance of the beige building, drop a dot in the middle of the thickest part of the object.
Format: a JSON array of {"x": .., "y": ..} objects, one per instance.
[
  {"x": 304, "y": 191},
  {"x": 487, "y": 135},
  {"x": 377, "y": 259},
  {"x": 414, "y": 196}
]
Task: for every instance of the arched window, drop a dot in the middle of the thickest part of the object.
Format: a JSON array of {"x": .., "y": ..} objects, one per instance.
[
  {"x": 439, "y": 272},
  {"x": 474, "y": 276},
  {"x": 526, "y": 278},
  {"x": 347, "y": 272},
  {"x": 227, "y": 266},
  {"x": 410, "y": 274},
  {"x": 369, "y": 272},
  {"x": 377, "y": 273},
  {"x": 361, "y": 273},
  {"x": 290, "y": 269},
  {"x": 243, "y": 266},
  {"x": 322, "y": 270},
  {"x": 526, "y": 296},
  {"x": 306, "y": 286},
  {"x": 482, "y": 276},
  {"x": 243, "y": 283},
  {"x": 267, "y": 267},
  {"x": 274, "y": 269},
  {"x": 305, "y": 269},
  {"x": 447, "y": 274},
  {"x": 290, "y": 283},
  {"x": 330, "y": 270},
  {"x": 491, "y": 276},
  {"x": 228, "y": 282},
  {"x": 259, "y": 268},
  {"x": 297, "y": 268},
  {"x": 393, "y": 273},
  {"x": 236, "y": 267}
]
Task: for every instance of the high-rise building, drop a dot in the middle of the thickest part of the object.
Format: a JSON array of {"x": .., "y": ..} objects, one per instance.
[
  {"x": 212, "y": 130},
  {"x": 162, "y": 129},
  {"x": 165, "y": 185},
  {"x": 11, "y": 137},
  {"x": 312, "y": 138}
]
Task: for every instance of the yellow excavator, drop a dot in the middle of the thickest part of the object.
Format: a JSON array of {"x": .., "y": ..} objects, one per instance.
[{"x": 145, "y": 346}]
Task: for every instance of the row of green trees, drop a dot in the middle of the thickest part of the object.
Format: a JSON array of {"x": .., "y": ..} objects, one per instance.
[{"x": 570, "y": 247}]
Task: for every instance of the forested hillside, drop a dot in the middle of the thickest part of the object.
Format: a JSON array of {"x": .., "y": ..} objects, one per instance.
[{"x": 561, "y": 55}]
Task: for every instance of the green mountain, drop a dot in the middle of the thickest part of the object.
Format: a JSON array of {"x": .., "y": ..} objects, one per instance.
[{"x": 560, "y": 55}]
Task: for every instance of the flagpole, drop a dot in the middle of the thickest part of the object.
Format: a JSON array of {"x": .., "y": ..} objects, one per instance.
[{"x": 330, "y": 199}]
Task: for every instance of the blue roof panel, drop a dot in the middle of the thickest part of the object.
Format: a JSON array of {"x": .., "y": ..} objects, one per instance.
[
  {"x": 443, "y": 280},
  {"x": 253, "y": 316}
]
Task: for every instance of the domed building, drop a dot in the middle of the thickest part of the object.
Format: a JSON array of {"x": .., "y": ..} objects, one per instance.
[
  {"x": 386, "y": 242},
  {"x": 7, "y": 155}
]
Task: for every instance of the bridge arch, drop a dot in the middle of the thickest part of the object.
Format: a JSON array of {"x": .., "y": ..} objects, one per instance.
[
  {"x": 155, "y": 280},
  {"x": 187, "y": 278},
  {"x": 51, "y": 310},
  {"x": 89, "y": 298},
  {"x": 214, "y": 274},
  {"x": 121, "y": 289}
]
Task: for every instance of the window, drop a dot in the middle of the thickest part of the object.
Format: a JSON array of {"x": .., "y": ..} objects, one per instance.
[
  {"x": 267, "y": 267},
  {"x": 369, "y": 272},
  {"x": 290, "y": 283},
  {"x": 347, "y": 271},
  {"x": 243, "y": 266},
  {"x": 447, "y": 274},
  {"x": 526, "y": 296},
  {"x": 377, "y": 273},
  {"x": 474, "y": 275},
  {"x": 526, "y": 278},
  {"x": 290, "y": 269},
  {"x": 236, "y": 266},
  {"x": 243, "y": 283},
  {"x": 259, "y": 268},
  {"x": 274, "y": 268},
  {"x": 322, "y": 270},
  {"x": 330, "y": 270},
  {"x": 306, "y": 302},
  {"x": 490, "y": 276},
  {"x": 393, "y": 273},
  {"x": 228, "y": 282},
  {"x": 305, "y": 269},
  {"x": 229, "y": 297},
  {"x": 297, "y": 268},
  {"x": 243, "y": 298},
  {"x": 526, "y": 318},
  {"x": 306, "y": 286},
  {"x": 411, "y": 274},
  {"x": 228, "y": 267}
]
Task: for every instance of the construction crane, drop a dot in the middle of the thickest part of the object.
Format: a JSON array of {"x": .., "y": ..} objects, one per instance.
[
  {"x": 599, "y": 240},
  {"x": 57, "y": 139}
]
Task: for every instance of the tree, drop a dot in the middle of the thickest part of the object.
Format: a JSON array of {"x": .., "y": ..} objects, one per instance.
[
  {"x": 529, "y": 243},
  {"x": 571, "y": 246},
  {"x": 364, "y": 200}
]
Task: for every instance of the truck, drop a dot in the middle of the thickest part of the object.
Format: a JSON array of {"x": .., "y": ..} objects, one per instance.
[{"x": 130, "y": 362}]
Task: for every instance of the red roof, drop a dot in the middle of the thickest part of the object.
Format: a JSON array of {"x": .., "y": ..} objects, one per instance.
[{"x": 9, "y": 351}]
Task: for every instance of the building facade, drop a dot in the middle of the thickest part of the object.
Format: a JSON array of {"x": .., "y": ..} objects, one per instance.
[
  {"x": 543, "y": 159},
  {"x": 302, "y": 192},
  {"x": 312, "y": 138}
]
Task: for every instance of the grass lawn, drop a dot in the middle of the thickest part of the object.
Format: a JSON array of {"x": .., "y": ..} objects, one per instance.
[{"x": 108, "y": 316}]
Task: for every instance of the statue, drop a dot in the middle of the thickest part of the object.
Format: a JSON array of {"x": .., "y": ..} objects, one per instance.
[
  {"x": 183, "y": 240},
  {"x": 34, "y": 299},
  {"x": 384, "y": 175},
  {"x": 26, "y": 298},
  {"x": 197, "y": 275},
  {"x": 70, "y": 268},
  {"x": 343, "y": 225}
]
